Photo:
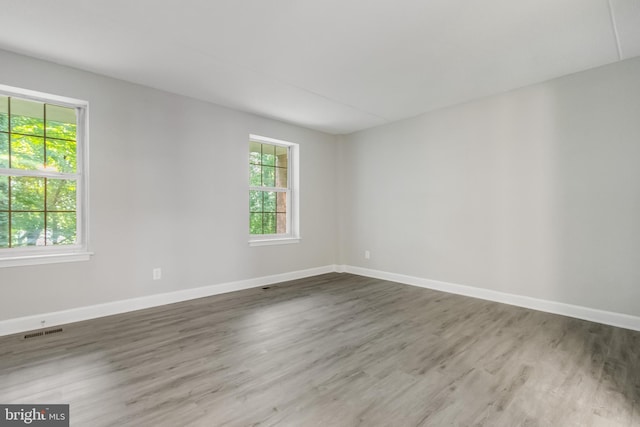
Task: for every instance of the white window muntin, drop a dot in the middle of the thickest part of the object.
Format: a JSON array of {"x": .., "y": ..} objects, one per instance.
[
  {"x": 292, "y": 191},
  {"x": 40, "y": 254}
]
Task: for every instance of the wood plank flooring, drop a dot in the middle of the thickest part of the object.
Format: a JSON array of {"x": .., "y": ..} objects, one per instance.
[{"x": 332, "y": 350}]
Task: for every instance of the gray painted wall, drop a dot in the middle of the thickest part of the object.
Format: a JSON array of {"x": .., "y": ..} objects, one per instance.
[
  {"x": 534, "y": 192},
  {"x": 168, "y": 188}
]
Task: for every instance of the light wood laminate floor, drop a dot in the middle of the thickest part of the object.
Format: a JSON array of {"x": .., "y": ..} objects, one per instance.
[{"x": 332, "y": 350}]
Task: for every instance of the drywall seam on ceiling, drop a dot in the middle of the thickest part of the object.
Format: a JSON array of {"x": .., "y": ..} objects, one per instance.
[{"x": 614, "y": 27}]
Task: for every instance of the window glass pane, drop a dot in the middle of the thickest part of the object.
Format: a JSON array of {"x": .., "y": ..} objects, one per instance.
[
  {"x": 61, "y": 228},
  {"x": 27, "y": 117},
  {"x": 255, "y": 175},
  {"x": 269, "y": 201},
  {"x": 268, "y": 155},
  {"x": 27, "y": 193},
  {"x": 255, "y": 150},
  {"x": 4, "y": 193},
  {"x": 255, "y": 223},
  {"x": 61, "y": 155},
  {"x": 281, "y": 202},
  {"x": 61, "y": 122},
  {"x": 27, "y": 152},
  {"x": 268, "y": 176},
  {"x": 282, "y": 156},
  {"x": 37, "y": 136},
  {"x": 255, "y": 201},
  {"x": 269, "y": 223},
  {"x": 27, "y": 229},
  {"x": 4, "y": 230},
  {"x": 281, "y": 223},
  {"x": 268, "y": 167},
  {"x": 61, "y": 194},
  {"x": 4, "y": 114},
  {"x": 4, "y": 150},
  {"x": 281, "y": 177}
]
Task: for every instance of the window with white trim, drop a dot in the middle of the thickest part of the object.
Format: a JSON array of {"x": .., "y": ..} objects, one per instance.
[
  {"x": 42, "y": 177},
  {"x": 273, "y": 192}
]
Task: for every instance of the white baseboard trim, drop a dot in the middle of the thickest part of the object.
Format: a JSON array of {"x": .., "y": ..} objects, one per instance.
[
  {"x": 579, "y": 312},
  {"x": 30, "y": 323}
]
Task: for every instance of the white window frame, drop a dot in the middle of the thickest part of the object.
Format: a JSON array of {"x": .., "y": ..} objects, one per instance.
[
  {"x": 35, "y": 255},
  {"x": 293, "y": 196}
]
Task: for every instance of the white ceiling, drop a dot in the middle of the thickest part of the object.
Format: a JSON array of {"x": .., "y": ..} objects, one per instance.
[{"x": 332, "y": 65}]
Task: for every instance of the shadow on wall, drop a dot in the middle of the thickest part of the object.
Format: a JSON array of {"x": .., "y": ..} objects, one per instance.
[
  {"x": 565, "y": 201},
  {"x": 568, "y": 214},
  {"x": 597, "y": 192}
]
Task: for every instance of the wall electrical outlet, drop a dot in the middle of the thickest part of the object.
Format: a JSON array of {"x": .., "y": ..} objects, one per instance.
[
  {"x": 157, "y": 273},
  {"x": 367, "y": 254}
]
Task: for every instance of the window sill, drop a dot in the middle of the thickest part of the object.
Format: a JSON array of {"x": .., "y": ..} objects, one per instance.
[
  {"x": 23, "y": 260},
  {"x": 269, "y": 242}
]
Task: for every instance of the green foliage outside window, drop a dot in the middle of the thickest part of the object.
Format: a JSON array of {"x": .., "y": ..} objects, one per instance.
[
  {"x": 38, "y": 138},
  {"x": 268, "y": 179}
]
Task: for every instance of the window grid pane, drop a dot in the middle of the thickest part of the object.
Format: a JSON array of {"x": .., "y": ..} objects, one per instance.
[
  {"x": 4, "y": 193},
  {"x": 255, "y": 223},
  {"x": 37, "y": 211},
  {"x": 281, "y": 223},
  {"x": 27, "y": 194},
  {"x": 27, "y": 229},
  {"x": 60, "y": 155},
  {"x": 26, "y": 117},
  {"x": 268, "y": 212},
  {"x": 268, "y": 167},
  {"x": 268, "y": 176},
  {"x": 60, "y": 228},
  {"x": 4, "y": 113},
  {"x": 268, "y": 155},
  {"x": 60, "y": 195},
  {"x": 4, "y": 229},
  {"x": 4, "y": 150},
  {"x": 60, "y": 122},
  {"x": 27, "y": 152}
]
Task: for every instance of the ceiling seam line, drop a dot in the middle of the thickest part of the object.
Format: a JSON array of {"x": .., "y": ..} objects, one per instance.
[
  {"x": 615, "y": 30},
  {"x": 276, "y": 79},
  {"x": 120, "y": 24},
  {"x": 326, "y": 97}
]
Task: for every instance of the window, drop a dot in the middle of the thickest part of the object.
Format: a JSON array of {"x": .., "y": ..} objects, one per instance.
[
  {"x": 273, "y": 191},
  {"x": 42, "y": 179}
]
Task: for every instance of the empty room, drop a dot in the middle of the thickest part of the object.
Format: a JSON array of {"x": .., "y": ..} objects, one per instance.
[{"x": 329, "y": 213}]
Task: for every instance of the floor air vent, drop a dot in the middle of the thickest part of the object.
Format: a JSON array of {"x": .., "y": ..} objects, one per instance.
[{"x": 42, "y": 333}]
